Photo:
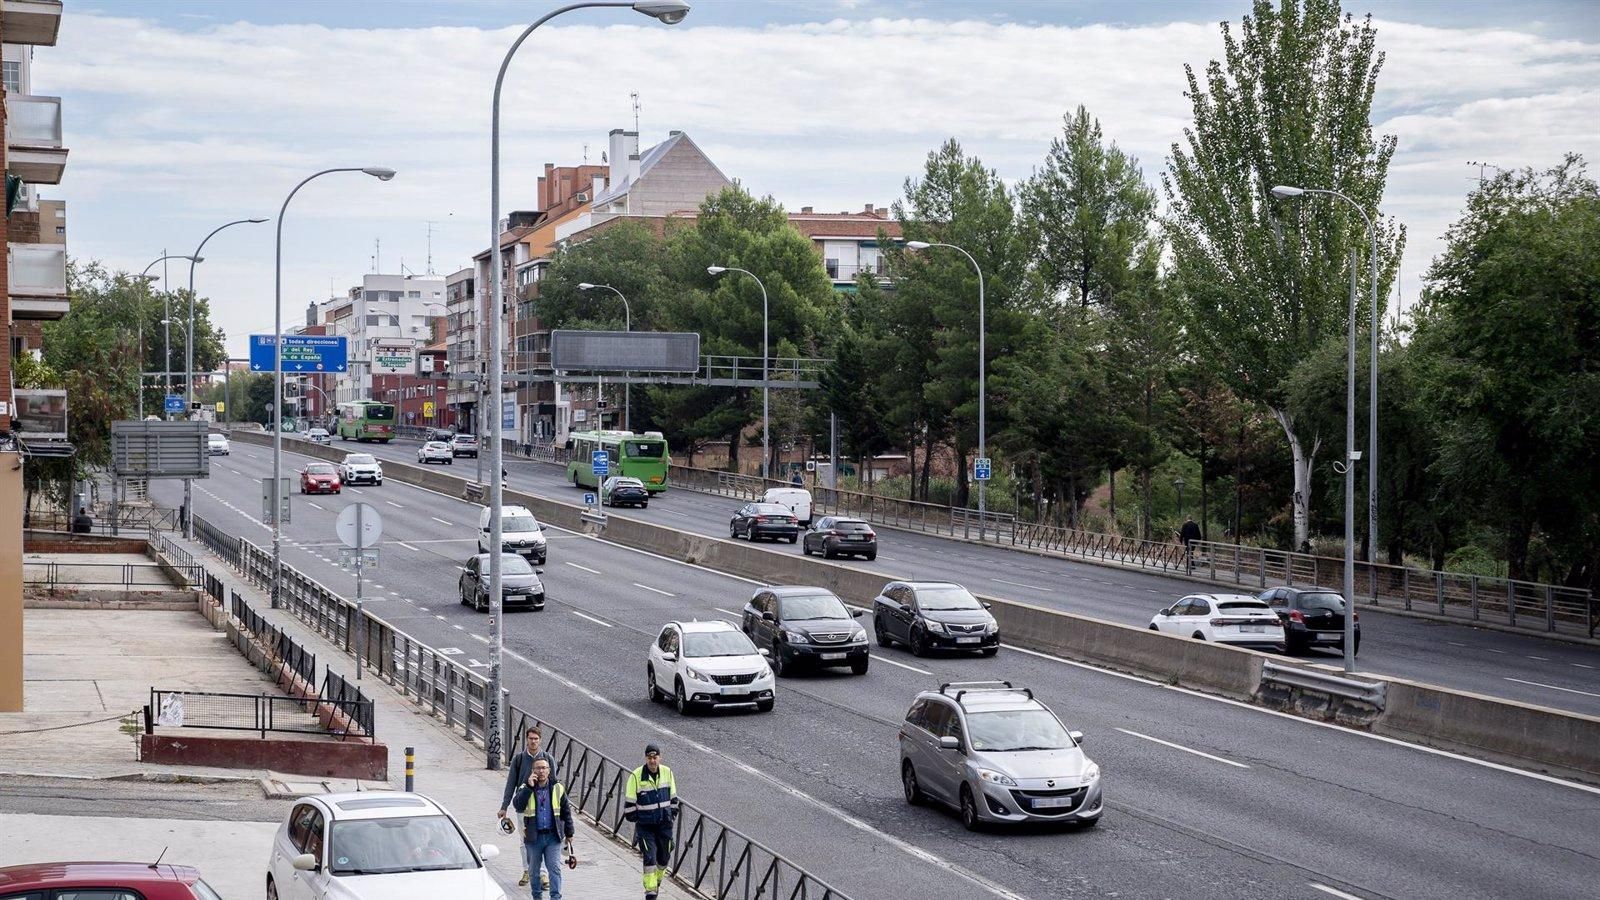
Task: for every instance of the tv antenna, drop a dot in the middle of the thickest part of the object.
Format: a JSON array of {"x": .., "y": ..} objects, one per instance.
[
  {"x": 634, "y": 96},
  {"x": 1481, "y": 167},
  {"x": 431, "y": 223},
  {"x": 377, "y": 254}
]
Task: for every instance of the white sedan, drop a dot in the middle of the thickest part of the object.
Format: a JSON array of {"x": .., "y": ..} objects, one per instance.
[
  {"x": 1235, "y": 619},
  {"x": 217, "y": 444},
  {"x": 436, "y": 451},
  {"x": 376, "y": 844}
]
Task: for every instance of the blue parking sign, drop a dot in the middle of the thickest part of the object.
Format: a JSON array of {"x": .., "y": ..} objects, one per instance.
[
  {"x": 600, "y": 461},
  {"x": 174, "y": 403},
  {"x": 981, "y": 468}
]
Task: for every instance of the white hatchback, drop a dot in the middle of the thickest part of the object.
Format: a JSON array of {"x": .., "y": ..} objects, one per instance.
[
  {"x": 1235, "y": 619},
  {"x": 436, "y": 451},
  {"x": 376, "y": 844},
  {"x": 708, "y": 664}
]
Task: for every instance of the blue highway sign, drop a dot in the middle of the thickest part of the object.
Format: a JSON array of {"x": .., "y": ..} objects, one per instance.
[
  {"x": 174, "y": 403},
  {"x": 981, "y": 469},
  {"x": 588, "y": 499},
  {"x": 600, "y": 461},
  {"x": 301, "y": 353}
]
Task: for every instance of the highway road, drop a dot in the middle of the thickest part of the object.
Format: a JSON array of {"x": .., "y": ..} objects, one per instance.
[
  {"x": 1526, "y": 668},
  {"x": 1206, "y": 797}
]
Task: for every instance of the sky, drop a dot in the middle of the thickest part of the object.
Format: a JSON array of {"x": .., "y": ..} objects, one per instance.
[{"x": 185, "y": 114}]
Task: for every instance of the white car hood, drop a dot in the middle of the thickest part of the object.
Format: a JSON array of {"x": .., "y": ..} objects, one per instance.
[
  {"x": 458, "y": 884},
  {"x": 725, "y": 665}
]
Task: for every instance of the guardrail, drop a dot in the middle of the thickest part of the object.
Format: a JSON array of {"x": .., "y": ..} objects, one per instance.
[
  {"x": 261, "y": 713},
  {"x": 1519, "y": 604},
  {"x": 1324, "y": 682},
  {"x": 128, "y": 576}
]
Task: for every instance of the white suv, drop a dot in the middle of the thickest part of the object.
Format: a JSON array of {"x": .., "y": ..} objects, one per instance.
[
  {"x": 359, "y": 467},
  {"x": 1238, "y": 620},
  {"x": 708, "y": 664}
]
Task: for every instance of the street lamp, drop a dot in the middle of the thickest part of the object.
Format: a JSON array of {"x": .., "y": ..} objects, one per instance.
[
  {"x": 382, "y": 174},
  {"x": 627, "y": 326},
  {"x": 669, "y": 12},
  {"x": 166, "y": 366},
  {"x": 766, "y": 383},
  {"x": 982, "y": 422},
  {"x": 1178, "y": 483}
]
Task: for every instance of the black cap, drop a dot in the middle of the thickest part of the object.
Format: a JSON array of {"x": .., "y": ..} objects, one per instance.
[{"x": 652, "y": 749}]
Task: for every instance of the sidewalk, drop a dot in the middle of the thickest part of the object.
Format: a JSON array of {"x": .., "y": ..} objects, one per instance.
[{"x": 450, "y": 769}]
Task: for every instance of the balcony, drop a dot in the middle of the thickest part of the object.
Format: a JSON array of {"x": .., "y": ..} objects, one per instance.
[
  {"x": 33, "y": 138},
  {"x": 35, "y": 22},
  {"x": 845, "y": 273},
  {"x": 38, "y": 280}
]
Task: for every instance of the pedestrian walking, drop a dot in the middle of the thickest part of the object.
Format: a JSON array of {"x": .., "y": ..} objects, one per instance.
[
  {"x": 518, "y": 772},
  {"x": 546, "y": 826},
  {"x": 1189, "y": 533},
  {"x": 651, "y": 804}
]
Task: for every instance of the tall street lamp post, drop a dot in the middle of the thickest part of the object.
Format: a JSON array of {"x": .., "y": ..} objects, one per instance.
[
  {"x": 276, "y": 493},
  {"x": 627, "y": 326},
  {"x": 766, "y": 354},
  {"x": 147, "y": 278},
  {"x": 982, "y": 391},
  {"x": 670, "y": 12}
]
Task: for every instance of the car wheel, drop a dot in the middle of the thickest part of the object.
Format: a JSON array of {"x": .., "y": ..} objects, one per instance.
[
  {"x": 908, "y": 782},
  {"x": 827, "y": 551},
  {"x": 1153, "y": 627},
  {"x": 751, "y": 534},
  {"x": 919, "y": 643},
  {"x": 1198, "y": 635},
  {"x": 969, "y": 810},
  {"x": 793, "y": 538},
  {"x": 272, "y": 889},
  {"x": 733, "y": 533},
  {"x": 680, "y": 700},
  {"x": 881, "y": 633},
  {"x": 990, "y": 651},
  {"x": 765, "y": 705},
  {"x": 644, "y": 506},
  {"x": 651, "y": 691},
  {"x": 859, "y": 667},
  {"x": 871, "y": 557},
  {"x": 781, "y": 668}
]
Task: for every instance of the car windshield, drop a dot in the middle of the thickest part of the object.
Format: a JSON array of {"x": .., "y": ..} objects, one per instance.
[
  {"x": 717, "y": 643},
  {"x": 1324, "y": 602},
  {"x": 940, "y": 598},
  {"x": 408, "y": 844},
  {"x": 518, "y": 524},
  {"x": 814, "y": 606},
  {"x": 1015, "y": 730},
  {"x": 1244, "y": 606},
  {"x": 216, "y": 438},
  {"x": 770, "y": 509},
  {"x": 320, "y": 469},
  {"x": 510, "y": 564},
  {"x": 359, "y": 459},
  {"x": 649, "y": 449},
  {"x": 626, "y": 483}
]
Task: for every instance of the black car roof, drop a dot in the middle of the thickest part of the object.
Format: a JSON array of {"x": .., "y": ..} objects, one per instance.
[{"x": 797, "y": 590}]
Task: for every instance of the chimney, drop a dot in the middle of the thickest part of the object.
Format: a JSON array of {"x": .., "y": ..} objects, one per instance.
[
  {"x": 868, "y": 209},
  {"x": 545, "y": 183},
  {"x": 618, "y": 156},
  {"x": 632, "y": 146},
  {"x": 597, "y": 184}
]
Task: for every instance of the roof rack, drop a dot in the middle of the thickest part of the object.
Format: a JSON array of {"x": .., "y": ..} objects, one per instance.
[{"x": 972, "y": 687}]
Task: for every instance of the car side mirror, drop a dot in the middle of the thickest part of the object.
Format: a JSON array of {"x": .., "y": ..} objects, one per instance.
[
  {"x": 538, "y": 571},
  {"x": 669, "y": 657},
  {"x": 1167, "y": 611},
  {"x": 488, "y": 851},
  {"x": 305, "y": 862},
  {"x": 1077, "y": 736},
  {"x": 857, "y": 612},
  {"x": 949, "y": 743},
  {"x": 764, "y": 651},
  {"x": 769, "y": 617},
  {"x": 988, "y": 605}
]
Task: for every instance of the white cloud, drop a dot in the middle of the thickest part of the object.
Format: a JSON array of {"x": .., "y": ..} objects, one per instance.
[{"x": 173, "y": 131}]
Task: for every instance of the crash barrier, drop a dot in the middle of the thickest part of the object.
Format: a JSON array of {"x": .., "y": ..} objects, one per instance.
[
  {"x": 1526, "y": 605},
  {"x": 708, "y": 856},
  {"x": 711, "y": 857},
  {"x": 128, "y": 576},
  {"x": 1323, "y": 682}
]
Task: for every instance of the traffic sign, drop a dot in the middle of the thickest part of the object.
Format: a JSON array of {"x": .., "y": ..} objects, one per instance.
[
  {"x": 427, "y": 409},
  {"x": 600, "y": 461},
  {"x": 301, "y": 353},
  {"x": 174, "y": 403},
  {"x": 588, "y": 499},
  {"x": 981, "y": 468},
  {"x": 359, "y": 526}
]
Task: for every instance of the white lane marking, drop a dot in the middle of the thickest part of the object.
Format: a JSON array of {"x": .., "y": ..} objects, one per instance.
[
  {"x": 235, "y": 471},
  {"x": 584, "y": 568},
  {"x": 887, "y": 558},
  {"x": 727, "y": 611},
  {"x": 1582, "y": 666},
  {"x": 1333, "y": 891},
  {"x": 1018, "y": 584},
  {"x": 424, "y": 609},
  {"x": 1540, "y": 658},
  {"x": 1156, "y": 740},
  {"x": 458, "y": 627},
  {"x": 480, "y": 639},
  {"x": 1492, "y": 650},
  {"x": 885, "y": 659},
  {"x": 439, "y": 520},
  {"x": 394, "y": 504},
  {"x": 590, "y": 618},
  {"x": 1553, "y": 687},
  {"x": 408, "y": 546},
  {"x": 1455, "y": 643},
  {"x": 354, "y": 490},
  {"x": 439, "y": 617},
  {"x": 732, "y": 616},
  {"x": 654, "y": 590},
  {"x": 316, "y": 506}
]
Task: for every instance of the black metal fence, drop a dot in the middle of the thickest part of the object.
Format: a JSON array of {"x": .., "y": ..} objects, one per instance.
[
  {"x": 261, "y": 713},
  {"x": 282, "y": 651},
  {"x": 218, "y": 541},
  {"x": 127, "y": 576},
  {"x": 341, "y": 692}
]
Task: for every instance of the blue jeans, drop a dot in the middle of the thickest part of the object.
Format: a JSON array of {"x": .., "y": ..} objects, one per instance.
[{"x": 544, "y": 847}]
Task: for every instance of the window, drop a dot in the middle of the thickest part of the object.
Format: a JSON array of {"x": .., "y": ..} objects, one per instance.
[
  {"x": 203, "y": 891},
  {"x": 946, "y": 598},
  {"x": 13, "y": 75},
  {"x": 314, "y": 836},
  {"x": 937, "y": 719},
  {"x": 299, "y": 821},
  {"x": 813, "y": 606},
  {"x": 668, "y": 640},
  {"x": 918, "y": 714},
  {"x": 1199, "y": 607}
]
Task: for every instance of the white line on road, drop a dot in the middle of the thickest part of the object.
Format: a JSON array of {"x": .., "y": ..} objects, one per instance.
[
  {"x": 439, "y": 520},
  {"x": 726, "y": 611},
  {"x": 1540, "y": 658},
  {"x": 354, "y": 490},
  {"x": 480, "y": 638},
  {"x": 888, "y": 559},
  {"x": 585, "y": 568},
  {"x": 654, "y": 590},
  {"x": 1582, "y": 666},
  {"x": 439, "y": 617},
  {"x": 590, "y": 618},
  {"x": 1455, "y": 643},
  {"x": 1019, "y": 584},
  {"x": 394, "y": 504},
  {"x": 885, "y": 659},
  {"x": 1154, "y": 740},
  {"x": 458, "y": 627},
  {"x": 408, "y": 546},
  {"x": 316, "y": 506},
  {"x": 1493, "y": 650},
  {"x": 1553, "y": 687},
  {"x": 1334, "y": 891}
]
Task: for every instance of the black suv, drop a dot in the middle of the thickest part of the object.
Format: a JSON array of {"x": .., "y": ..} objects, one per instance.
[
  {"x": 1311, "y": 616},
  {"x": 805, "y": 626},
  {"x": 928, "y": 615}
]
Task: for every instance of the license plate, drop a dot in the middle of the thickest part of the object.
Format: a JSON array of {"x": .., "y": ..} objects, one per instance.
[
  {"x": 856, "y": 537},
  {"x": 735, "y": 690},
  {"x": 1051, "y": 802},
  {"x": 1253, "y": 629},
  {"x": 967, "y": 640},
  {"x": 833, "y": 656}
]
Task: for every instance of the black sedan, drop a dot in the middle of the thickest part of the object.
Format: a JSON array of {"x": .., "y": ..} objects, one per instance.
[
  {"x": 1311, "y": 617},
  {"x": 620, "y": 490},
  {"x": 932, "y": 615},
  {"x": 519, "y": 583},
  {"x": 764, "y": 520},
  {"x": 805, "y": 626},
  {"x": 841, "y": 536}
]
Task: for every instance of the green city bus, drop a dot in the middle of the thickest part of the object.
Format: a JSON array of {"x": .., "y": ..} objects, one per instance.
[
  {"x": 641, "y": 456},
  {"x": 366, "y": 420}
]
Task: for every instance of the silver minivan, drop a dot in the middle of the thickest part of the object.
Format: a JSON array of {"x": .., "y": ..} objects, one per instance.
[{"x": 996, "y": 754}]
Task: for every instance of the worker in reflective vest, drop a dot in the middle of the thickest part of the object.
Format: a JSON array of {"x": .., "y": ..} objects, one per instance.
[{"x": 651, "y": 804}]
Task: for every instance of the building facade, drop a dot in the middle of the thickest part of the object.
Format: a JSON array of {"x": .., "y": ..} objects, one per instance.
[
  {"x": 386, "y": 318},
  {"x": 848, "y": 242}
]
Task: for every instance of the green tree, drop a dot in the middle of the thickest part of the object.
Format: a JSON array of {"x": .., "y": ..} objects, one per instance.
[
  {"x": 1264, "y": 282},
  {"x": 1142, "y": 348}
]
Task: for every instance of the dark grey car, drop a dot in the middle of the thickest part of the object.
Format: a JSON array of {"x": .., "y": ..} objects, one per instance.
[
  {"x": 933, "y": 615},
  {"x": 841, "y": 536},
  {"x": 519, "y": 583},
  {"x": 804, "y": 627}
]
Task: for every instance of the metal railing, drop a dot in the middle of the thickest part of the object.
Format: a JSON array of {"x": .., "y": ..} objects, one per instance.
[
  {"x": 283, "y": 653},
  {"x": 344, "y": 695},
  {"x": 260, "y": 713},
  {"x": 128, "y": 576},
  {"x": 1519, "y": 604}
]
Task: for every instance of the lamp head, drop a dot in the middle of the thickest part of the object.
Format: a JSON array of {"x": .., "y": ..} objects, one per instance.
[
  {"x": 716, "y": 270},
  {"x": 917, "y": 245},
  {"x": 256, "y": 221},
  {"x": 586, "y": 286},
  {"x": 379, "y": 172},
  {"x": 151, "y": 279},
  {"x": 196, "y": 259},
  {"x": 668, "y": 12},
  {"x": 1284, "y": 192}
]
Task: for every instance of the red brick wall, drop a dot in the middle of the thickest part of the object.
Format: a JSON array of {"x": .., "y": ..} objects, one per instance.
[
  {"x": 5, "y": 282},
  {"x": 321, "y": 759}
]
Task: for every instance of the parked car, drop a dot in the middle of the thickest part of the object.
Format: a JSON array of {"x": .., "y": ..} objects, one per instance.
[
  {"x": 319, "y": 436},
  {"x": 436, "y": 451},
  {"x": 376, "y": 844},
  {"x": 1238, "y": 620},
  {"x": 464, "y": 445},
  {"x": 319, "y": 478},
  {"x": 764, "y": 520},
  {"x": 841, "y": 536},
  {"x": 520, "y": 533},
  {"x": 441, "y": 434},
  {"x": 996, "y": 754},
  {"x": 1311, "y": 617},
  {"x": 708, "y": 664},
  {"x": 216, "y": 444},
  {"x": 620, "y": 490},
  {"x": 805, "y": 626},
  {"x": 933, "y": 615},
  {"x": 115, "y": 880},
  {"x": 361, "y": 467},
  {"x": 520, "y": 584},
  {"x": 796, "y": 500}
]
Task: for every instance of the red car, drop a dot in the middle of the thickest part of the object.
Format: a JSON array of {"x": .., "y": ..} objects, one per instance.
[
  {"x": 105, "y": 879},
  {"x": 319, "y": 478}
]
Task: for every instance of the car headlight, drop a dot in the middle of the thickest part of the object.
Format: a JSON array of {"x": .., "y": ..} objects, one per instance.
[
  {"x": 766, "y": 671},
  {"x": 697, "y": 675},
  {"x": 858, "y": 636},
  {"x": 795, "y": 637},
  {"x": 935, "y": 627},
  {"x": 994, "y": 777},
  {"x": 992, "y": 628},
  {"x": 1091, "y": 773}
]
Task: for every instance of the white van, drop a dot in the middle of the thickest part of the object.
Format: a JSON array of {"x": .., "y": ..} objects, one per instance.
[
  {"x": 797, "y": 500},
  {"x": 520, "y": 533}
]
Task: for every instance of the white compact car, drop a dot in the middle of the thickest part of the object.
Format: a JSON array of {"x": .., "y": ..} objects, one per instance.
[
  {"x": 376, "y": 844},
  {"x": 361, "y": 467},
  {"x": 1235, "y": 619},
  {"x": 217, "y": 444},
  {"x": 436, "y": 451},
  {"x": 708, "y": 664}
]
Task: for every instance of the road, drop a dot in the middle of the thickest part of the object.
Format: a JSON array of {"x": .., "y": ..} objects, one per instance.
[
  {"x": 1526, "y": 668},
  {"x": 1206, "y": 797}
]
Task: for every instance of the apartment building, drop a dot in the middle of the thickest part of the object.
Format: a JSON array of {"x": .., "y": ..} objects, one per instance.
[
  {"x": 462, "y": 343},
  {"x": 848, "y": 242},
  {"x": 386, "y": 319}
]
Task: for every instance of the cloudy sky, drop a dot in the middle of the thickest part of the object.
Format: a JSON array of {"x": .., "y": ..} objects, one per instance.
[{"x": 184, "y": 114}]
